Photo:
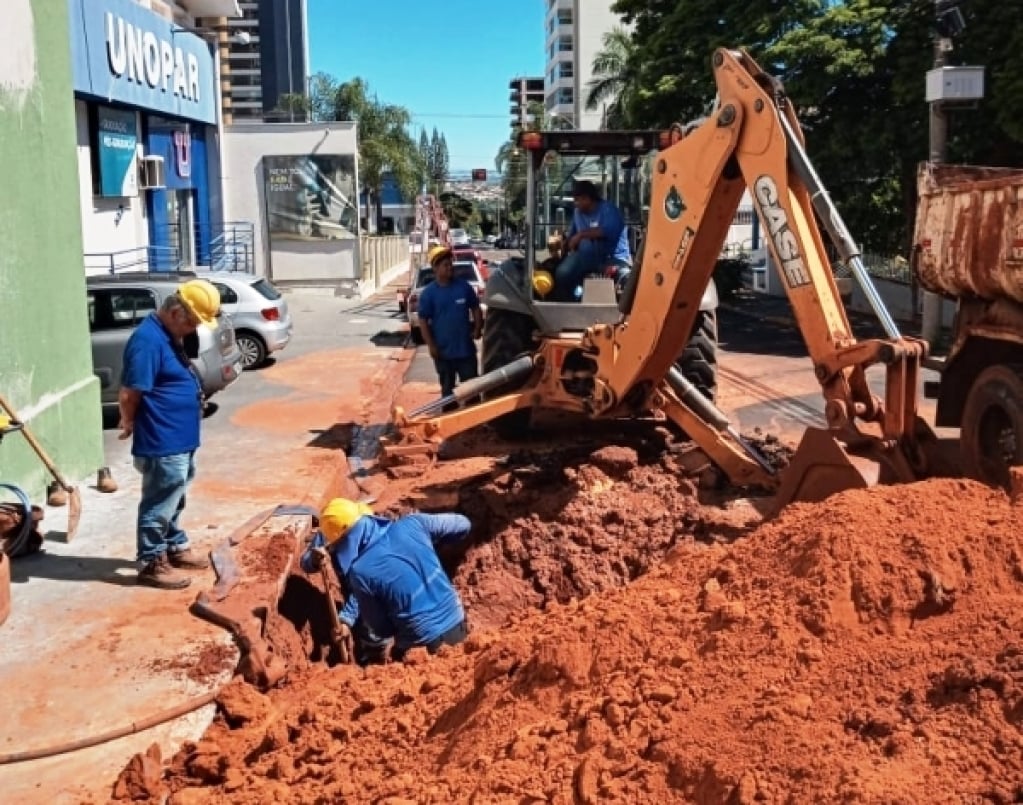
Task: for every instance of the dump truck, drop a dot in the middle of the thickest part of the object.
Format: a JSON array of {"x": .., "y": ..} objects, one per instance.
[{"x": 968, "y": 247}]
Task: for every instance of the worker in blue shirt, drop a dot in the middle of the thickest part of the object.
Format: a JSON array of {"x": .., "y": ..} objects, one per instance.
[
  {"x": 395, "y": 585},
  {"x": 451, "y": 322},
  {"x": 596, "y": 240}
]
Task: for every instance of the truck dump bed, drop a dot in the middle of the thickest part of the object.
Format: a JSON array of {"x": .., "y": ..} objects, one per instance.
[{"x": 969, "y": 231}]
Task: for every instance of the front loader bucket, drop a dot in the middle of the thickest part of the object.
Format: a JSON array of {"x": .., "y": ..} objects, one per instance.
[{"x": 819, "y": 469}]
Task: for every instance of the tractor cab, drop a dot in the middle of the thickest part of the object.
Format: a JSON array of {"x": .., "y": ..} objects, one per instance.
[{"x": 619, "y": 164}]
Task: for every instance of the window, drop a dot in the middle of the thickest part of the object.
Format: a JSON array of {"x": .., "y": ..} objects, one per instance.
[
  {"x": 227, "y": 294},
  {"x": 565, "y": 97},
  {"x": 565, "y": 44},
  {"x": 266, "y": 289},
  {"x": 120, "y": 308},
  {"x": 566, "y": 69},
  {"x": 564, "y": 16}
]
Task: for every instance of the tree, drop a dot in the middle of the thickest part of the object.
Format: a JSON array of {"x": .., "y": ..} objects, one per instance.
[
  {"x": 854, "y": 70},
  {"x": 425, "y": 159},
  {"x": 322, "y": 96},
  {"x": 385, "y": 145},
  {"x": 293, "y": 106},
  {"x": 437, "y": 161},
  {"x": 614, "y": 81}
]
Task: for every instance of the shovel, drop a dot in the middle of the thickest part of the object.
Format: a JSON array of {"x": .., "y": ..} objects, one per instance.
[
  {"x": 343, "y": 647},
  {"x": 74, "y": 496}
]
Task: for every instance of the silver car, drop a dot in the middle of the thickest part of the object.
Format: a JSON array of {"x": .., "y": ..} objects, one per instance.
[
  {"x": 262, "y": 323},
  {"x": 118, "y": 304}
]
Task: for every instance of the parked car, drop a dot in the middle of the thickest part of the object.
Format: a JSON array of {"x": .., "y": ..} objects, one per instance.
[
  {"x": 459, "y": 237},
  {"x": 262, "y": 323},
  {"x": 470, "y": 253},
  {"x": 118, "y": 304},
  {"x": 463, "y": 269},
  {"x": 491, "y": 239}
]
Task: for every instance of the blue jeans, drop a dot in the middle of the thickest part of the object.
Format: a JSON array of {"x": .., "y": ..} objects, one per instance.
[
  {"x": 451, "y": 369},
  {"x": 164, "y": 483}
]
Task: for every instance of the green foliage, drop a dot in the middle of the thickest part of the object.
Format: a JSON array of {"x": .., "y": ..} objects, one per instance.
[
  {"x": 854, "y": 70},
  {"x": 458, "y": 209},
  {"x": 615, "y": 81}
]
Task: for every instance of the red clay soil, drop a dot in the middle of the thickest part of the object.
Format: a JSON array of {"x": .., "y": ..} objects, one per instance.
[{"x": 868, "y": 649}]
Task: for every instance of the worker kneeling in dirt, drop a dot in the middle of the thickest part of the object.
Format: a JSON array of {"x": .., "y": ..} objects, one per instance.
[{"x": 393, "y": 579}]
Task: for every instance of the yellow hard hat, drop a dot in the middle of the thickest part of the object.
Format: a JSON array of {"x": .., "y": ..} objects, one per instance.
[
  {"x": 543, "y": 282},
  {"x": 202, "y": 299},
  {"x": 438, "y": 252},
  {"x": 338, "y": 517}
]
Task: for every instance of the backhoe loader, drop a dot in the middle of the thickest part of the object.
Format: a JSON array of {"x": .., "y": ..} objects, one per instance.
[{"x": 627, "y": 368}]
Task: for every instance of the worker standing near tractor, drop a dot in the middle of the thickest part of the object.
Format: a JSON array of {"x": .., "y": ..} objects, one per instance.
[
  {"x": 161, "y": 404},
  {"x": 451, "y": 322},
  {"x": 596, "y": 240},
  {"x": 395, "y": 585}
]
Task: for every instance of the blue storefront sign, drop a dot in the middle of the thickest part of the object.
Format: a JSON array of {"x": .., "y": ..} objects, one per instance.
[
  {"x": 123, "y": 52},
  {"x": 117, "y": 141}
]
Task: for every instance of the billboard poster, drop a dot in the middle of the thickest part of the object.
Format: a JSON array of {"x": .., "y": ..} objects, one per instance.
[
  {"x": 311, "y": 197},
  {"x": 117, "y": 139}
]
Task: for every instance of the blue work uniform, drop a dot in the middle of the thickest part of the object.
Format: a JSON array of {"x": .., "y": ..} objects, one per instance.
[
  {"x": 447, "y": 309},
  {"x": 394, "y": 580},
  {"x": 592, "y": 255},
  {"x": 169, "y": 414}
]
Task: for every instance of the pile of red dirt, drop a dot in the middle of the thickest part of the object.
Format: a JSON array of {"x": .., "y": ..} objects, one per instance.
[{"x": 868, "y": 649}]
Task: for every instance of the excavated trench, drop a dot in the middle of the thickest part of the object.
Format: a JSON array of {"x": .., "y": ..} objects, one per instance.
[{"x": 549, "y": 526}]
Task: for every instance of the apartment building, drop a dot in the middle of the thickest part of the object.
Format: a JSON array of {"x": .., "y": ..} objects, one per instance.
[
  {"x": 525, "y": 92},
  {"x": 574, "y": 32},
  {"x": 264, "y": 55}
]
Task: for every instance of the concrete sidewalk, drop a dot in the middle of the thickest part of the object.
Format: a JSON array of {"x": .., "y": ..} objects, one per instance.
[{"x": 86, "y": 650}]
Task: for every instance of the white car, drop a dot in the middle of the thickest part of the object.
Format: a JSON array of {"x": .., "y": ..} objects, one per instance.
[
  {"x": 262, "y": 323},
  {"x": 463, "y": 269},
  {"x": 459, "y": 237}
]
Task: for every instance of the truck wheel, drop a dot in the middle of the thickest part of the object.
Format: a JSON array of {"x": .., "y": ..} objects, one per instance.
[
  {"x": 699, "y": 360},
  {"x": 991, "y": 432},
  {"x": 506, "y": 336}
]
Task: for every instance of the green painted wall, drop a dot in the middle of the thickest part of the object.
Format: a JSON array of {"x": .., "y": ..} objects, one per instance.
[{"x": 45, "y": 355}]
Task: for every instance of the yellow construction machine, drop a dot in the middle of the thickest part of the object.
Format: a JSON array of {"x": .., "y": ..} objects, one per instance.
[{"x": 627, "y": 365}]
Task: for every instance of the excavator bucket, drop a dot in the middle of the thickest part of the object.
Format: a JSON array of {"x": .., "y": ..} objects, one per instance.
[{"x": 820, "y": 468}]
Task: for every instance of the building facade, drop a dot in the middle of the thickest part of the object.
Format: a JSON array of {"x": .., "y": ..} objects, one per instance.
[
  {"x": 264, "y": 56},
  {"x": 573, "y": 35},
  {"x": 524, "y": 93},
  {"x": 146, "y": 116},
  {"x": 45, "y": 362}
]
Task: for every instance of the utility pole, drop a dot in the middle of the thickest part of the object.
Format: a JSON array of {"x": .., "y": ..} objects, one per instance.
[{"x": 930, "y": 328}]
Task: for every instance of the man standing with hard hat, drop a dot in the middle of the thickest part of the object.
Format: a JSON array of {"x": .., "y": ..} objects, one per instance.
[
  {"x": 161, "y": 406},
  {"x": 391, "y": 574},
  {"x": 445, "y": 308}
]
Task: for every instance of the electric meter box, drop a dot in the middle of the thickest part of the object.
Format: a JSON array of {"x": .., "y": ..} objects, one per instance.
[{"x": 955, "y": 84}]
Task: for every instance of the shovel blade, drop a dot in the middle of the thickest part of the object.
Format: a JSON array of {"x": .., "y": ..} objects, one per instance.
[{"x": 820, "y": 468}]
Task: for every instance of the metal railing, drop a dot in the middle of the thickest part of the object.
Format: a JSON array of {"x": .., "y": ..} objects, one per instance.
[
  {"x": 220, "y": 247},
  {"x": 142, "y": 258}
]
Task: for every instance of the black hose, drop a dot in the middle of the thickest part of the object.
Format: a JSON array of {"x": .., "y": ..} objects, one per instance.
[{"x": 20, "y": 542}]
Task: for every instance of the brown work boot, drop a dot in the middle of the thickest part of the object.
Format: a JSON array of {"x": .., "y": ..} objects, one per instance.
[
  {"x": 161, "y": 575},
  {"x": 187, "y": 560}
]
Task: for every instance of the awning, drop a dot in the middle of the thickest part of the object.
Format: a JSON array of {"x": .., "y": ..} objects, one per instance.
[{"x": 213, "y": 8}]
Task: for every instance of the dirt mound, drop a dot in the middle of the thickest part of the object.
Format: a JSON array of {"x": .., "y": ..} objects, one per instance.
[
  {"x": 864, "y": 650},
  {"x": 558, "y": 526}
]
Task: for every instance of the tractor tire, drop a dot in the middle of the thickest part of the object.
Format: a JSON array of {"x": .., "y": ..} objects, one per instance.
[
  {"x": 699, "y": 360},
  {"x": 507, "y": 335},
  {"x": 991, "y": 432}
]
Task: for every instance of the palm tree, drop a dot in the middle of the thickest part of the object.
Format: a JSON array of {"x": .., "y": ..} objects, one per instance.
[
  {"x": 614, "y": 79},
  {"x": 385, "y": 145}
]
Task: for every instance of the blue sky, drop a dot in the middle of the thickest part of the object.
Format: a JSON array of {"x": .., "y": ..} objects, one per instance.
[{"x": 447, "y": 61}]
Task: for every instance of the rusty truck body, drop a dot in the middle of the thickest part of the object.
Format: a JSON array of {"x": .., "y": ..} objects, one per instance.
[{"x": 968, "y": 247}]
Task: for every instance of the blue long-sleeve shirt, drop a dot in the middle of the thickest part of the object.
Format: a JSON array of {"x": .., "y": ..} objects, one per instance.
[
  {"x": 614, "y": 243},
  {"x": 393, "y": 577}
]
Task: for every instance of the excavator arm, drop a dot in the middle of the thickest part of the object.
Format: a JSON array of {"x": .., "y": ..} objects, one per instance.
[{"x": 752, "y": 141}]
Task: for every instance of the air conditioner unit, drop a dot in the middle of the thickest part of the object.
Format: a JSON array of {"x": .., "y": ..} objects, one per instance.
[{"x": 152, "y": 173}]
